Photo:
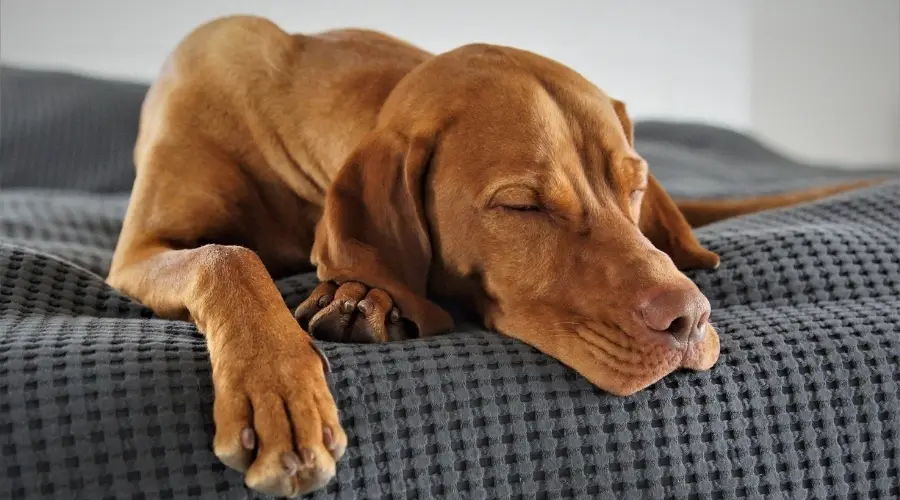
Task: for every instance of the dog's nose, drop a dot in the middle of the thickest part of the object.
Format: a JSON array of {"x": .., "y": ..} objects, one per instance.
[{"x": 682, "y": 313}]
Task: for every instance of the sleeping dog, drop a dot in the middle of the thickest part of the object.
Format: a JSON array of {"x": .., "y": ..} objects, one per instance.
[{"x": 488, "y": 175}]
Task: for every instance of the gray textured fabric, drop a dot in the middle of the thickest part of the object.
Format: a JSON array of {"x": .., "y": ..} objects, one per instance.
[
  {"x": 99, "y": 399},
  {"x": 59, "y": 130}
]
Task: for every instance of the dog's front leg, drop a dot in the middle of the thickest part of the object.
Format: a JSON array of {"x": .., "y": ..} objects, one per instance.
[{"x": 275, "y": 417}]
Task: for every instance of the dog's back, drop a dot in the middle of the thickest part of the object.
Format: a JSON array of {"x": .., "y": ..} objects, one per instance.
[{"x": 262, "y": 120}]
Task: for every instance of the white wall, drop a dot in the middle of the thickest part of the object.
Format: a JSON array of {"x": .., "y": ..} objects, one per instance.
[
  {"x": 684, "y": 60},
  {"x": 826, "y": 78},
  {"x": 719, "y": 61}
]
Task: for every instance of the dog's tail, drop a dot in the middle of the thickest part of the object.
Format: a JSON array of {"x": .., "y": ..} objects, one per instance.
[{"x": 702, "y": 212}]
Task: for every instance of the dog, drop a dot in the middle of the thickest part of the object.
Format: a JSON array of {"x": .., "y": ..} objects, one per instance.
[{"x": 491, "y": 176}]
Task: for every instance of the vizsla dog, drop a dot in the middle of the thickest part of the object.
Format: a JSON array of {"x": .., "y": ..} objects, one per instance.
[{"x": 487, "y": 175}]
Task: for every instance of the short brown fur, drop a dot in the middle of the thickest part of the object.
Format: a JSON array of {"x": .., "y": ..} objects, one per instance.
[{"x": 488, "y": 175}]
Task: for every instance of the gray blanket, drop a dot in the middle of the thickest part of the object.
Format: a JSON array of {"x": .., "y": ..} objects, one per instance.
[{"x": 100, "y": 399}]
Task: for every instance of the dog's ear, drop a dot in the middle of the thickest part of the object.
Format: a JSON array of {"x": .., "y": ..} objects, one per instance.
[
  {"x": 374, "y": 229},
  {"x": 664, "y": 225},
  {"x": 662, "y": 222}
]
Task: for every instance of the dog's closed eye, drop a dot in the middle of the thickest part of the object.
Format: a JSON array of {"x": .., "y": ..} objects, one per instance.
[
  {"x": 516, "y": 198},
  {"x": 523, "y": 208}
]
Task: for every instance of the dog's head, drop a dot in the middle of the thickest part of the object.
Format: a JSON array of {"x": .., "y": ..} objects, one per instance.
[{"x": 507, "y": 181}]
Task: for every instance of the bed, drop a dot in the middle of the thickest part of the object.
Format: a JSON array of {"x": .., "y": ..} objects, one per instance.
[{"x": 101, "y": 399}]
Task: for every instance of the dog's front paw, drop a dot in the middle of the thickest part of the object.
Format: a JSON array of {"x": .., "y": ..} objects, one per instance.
[
  {"x": 351, "y": 312},
  {"x": 274, "y": 414}
]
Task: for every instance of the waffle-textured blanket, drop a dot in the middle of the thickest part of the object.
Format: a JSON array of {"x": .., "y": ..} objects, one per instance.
[{"x": 100, "y": 399}]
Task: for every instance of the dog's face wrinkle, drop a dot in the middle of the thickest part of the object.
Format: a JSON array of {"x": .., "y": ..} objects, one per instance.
[
  {"x": 613, "y": 362},
  {"x": 623, "y": 355}
]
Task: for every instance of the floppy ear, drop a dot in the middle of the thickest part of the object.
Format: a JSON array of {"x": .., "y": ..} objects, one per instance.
[
  {"x": 662, "y": 222},
  {"x": 373, "y": 229}
]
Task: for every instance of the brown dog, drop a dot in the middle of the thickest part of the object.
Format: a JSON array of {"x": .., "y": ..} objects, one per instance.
[{"x": 489, "y": 175}]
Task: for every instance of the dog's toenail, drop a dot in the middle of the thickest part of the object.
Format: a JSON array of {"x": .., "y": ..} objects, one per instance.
[
  {"x": 248, "y": 438},
  {"x": 395, "y": 315},
  {"x": 328, "y": 438},
  {"x": 348, "y": 307},
  {"x": 306, "y": 457},
  {"x": 291, "y": 462},
  {"x": 364, "y": 306},
  {"x": 324, "y": 300},
  {"x": 326, "y": 364}
]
